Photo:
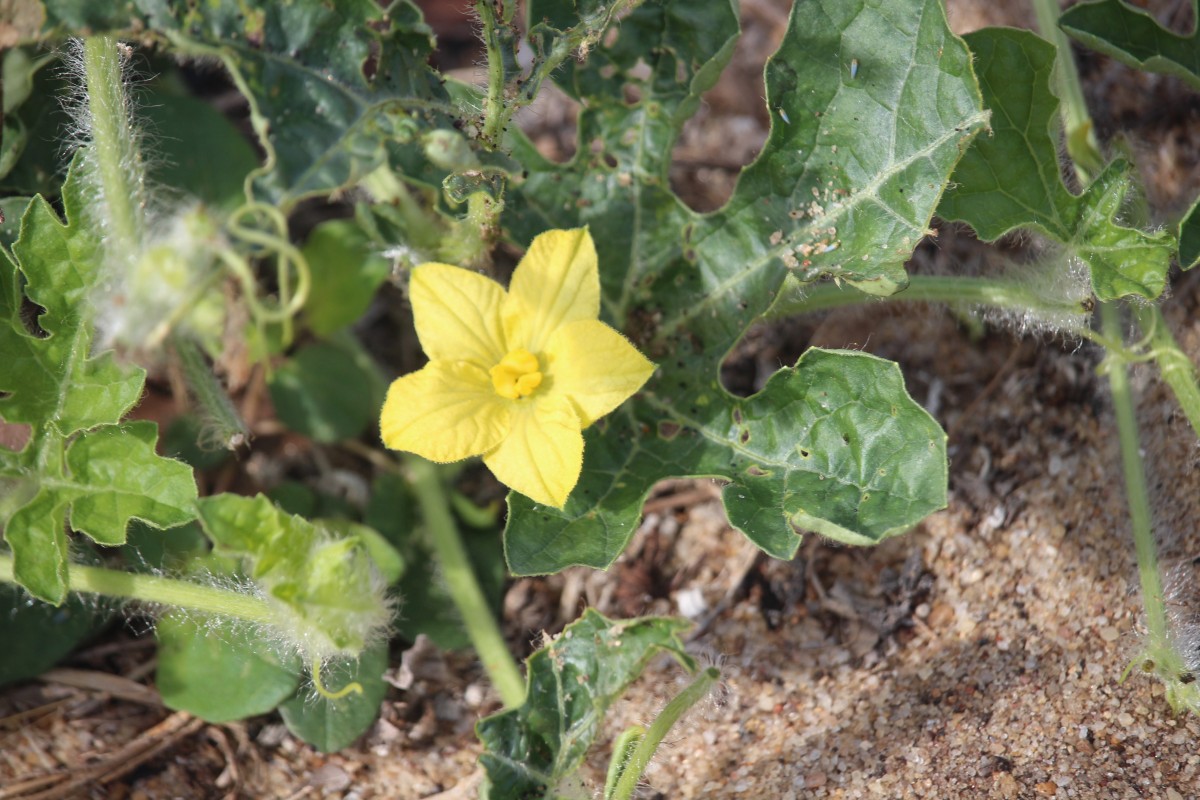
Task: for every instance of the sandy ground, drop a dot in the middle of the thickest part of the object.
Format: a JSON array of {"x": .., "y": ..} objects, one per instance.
[{"x": 979, "y": 656}]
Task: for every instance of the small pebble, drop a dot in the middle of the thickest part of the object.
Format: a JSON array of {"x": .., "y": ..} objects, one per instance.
[
  {"x": 1047, "y": 789},
  {"x": 1110, "y": 634}
]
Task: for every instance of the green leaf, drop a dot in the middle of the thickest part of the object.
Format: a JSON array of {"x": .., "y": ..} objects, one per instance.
[
  {"x": 13, "y": 208},
  {"x": 55, "y": 381},
  {"x": 326, "y": 589},
  {"x": 36, "y": 154},
  {"x": 1189, "y": 237},
  {"x": 572, "y": 682},
  {"x": 164, "y": 551},
  {"x": 1011, "y": 180},
  {"x": 46, "y": 19},
  {"x": 37, "y": 636},
  {"x": 346, "y": 271},
  {"x": 219, "y": 670},
  {"x": 834, "y": 446},
  {"x": 387, "y": 559},
  {"x": 190, "y": 137},
  {"x": 1132, "y": 36},
  {"x": 330, "y": 725},
  {"x": 871, "y": 108},
  {"x": 334, "y": 88},
  {"x": 329, "y": 390},
  {"x": 80, "y": 463},
  {"x": 17, "y": 69}
]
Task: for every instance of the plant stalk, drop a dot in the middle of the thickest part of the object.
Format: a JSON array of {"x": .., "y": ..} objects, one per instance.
[
  {"x": 679, "y": 705},
  {"x": 1136, "y": 492},
  {"x": 1173, "y": 364},
  {"x": 157, "y": 590},
  {"x": 495, "y": 114},
  {"x": 1082, "y": 145},
  {"x": 114, "y": 142},
  {"x": 996, "y": 293},
  {"x": 464, "y": 587}
]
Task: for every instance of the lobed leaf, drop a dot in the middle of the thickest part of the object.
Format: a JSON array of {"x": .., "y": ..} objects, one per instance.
[
  {"x": 1132, "y": 36},
  {"x": 336, "y": 89},
  {"x": 325, "y": 589},
  {"x": 860, "y": 148},
  {"x": 572, "y": 681},
  {"x": 81, "y": 465},
  {"x": 1011, "y": 180},
  {"x": 333, "y": 87},
  {"x": 834, "y": 446}
]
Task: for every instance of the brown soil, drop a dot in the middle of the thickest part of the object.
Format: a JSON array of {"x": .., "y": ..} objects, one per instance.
[{"x": 978, "y": 656}]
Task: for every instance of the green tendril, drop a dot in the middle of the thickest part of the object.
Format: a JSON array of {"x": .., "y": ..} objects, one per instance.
[
  {"x": 268, "y": 238},
  {"x": 354, "y": 687}
]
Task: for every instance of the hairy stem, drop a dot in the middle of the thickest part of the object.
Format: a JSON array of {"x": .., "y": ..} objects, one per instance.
[
  {"x": 1067, "y": 315},
  {"x": 639, "y": 759},
  {"x": 157, "y": 590},
  {"x": 463, "y": 585},
  {"x": 496, "y": 114},
  {"x": 1135, "y": 486},
  {"x": 114, "y": 142}
]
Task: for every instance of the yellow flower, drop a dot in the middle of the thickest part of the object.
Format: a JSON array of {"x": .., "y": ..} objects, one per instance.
[{"x": 514, "y": 376}]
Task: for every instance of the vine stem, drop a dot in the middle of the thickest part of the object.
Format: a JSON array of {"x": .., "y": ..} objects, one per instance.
[
  {"x": 639, "y": 759},
  {"x": 1136, "y": 492},
  {"x": 996, "y": 293},
  {"x": 1173, "y": 364},
  {"x": 1081, "y": 142},
  {"x": 464, "y": 587},
  {"x": 157, "y": 590},
  {"x": 495, "y": 113},
  {"x": 114, "y": 141}
]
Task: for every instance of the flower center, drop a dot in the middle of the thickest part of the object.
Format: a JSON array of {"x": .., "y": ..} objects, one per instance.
[{"x": 516, "y": 375}]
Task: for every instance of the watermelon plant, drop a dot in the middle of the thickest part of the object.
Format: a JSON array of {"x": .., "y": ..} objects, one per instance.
[{"x": 146, "y": 241}]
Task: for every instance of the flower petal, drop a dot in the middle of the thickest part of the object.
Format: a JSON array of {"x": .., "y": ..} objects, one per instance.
[
  {"x": 595, "y": 366},
  {"x": 543, "y": 454},
  {"x": 446, "y": 411},
  {"x": 558, "y": 281},
  {"x": 457, "y": 314}
]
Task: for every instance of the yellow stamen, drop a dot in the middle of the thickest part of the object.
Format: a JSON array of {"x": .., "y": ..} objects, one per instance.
[{"x": 516, "y": 375}]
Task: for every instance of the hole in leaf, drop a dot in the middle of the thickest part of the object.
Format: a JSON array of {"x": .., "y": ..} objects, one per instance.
[
  {"x": 729, "y": 128},
  {"x": 668, "y": 430},
  {"x": 30, "y": 313},
  {"x": 631, "y": 93},
  {"x": 14, "y": 436},
  {"x": 744, "y": 436},
  {"x": 370, "y": 65},
  {"x": 610, "y": 161}
]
